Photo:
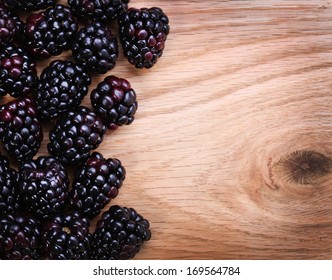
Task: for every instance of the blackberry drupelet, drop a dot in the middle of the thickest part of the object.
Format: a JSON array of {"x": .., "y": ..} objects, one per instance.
[
  {"x": 20, "y": 129},
  {"x": 66, "y": 237},
  {"x": 62, "y": 86},
  {"x": 10, "y": 26},
  {"x": 20, "y": 238},
  {"x": 29, "y": 5},
  {"x": 96, "y": 182},
  {"x": 115, "y": 101},
  {"x": 104, "y": 11},
  {"x": 143, "y": 33},
  {"x": 95, "y": 48},
  {"x": 75, "y": 134},
  {"x": 18, "y": 74},
  {"x": 8, "y": 187},
  {"x": 119, "y": 234},
  {"x": 50, "y": 32},
  {"x": 43, "y": 186}
]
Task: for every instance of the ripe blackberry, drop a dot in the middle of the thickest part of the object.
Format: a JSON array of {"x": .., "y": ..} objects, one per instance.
[
  {"x": 119, "y": 234},
  {"x": 95, "y": 48},
  {"x": 104, "y": 11},
  {"x": 43, "y": 186},
  {"x": 66, "y": 237},
  {"x": 19, "y": 238},
  {"x": 10, "y": 26},
  {"x": 29, "y": 5},
  {"x": 115, "y": 101},
  {"x": 143, "y": 33},
  {"x": 75, "y": 134},
  {"x": 20, "y": 130},
  {"x": 18, "y": 74},
  {"x": 62, "y": 86},
  {"x": 50, "y": 32},
  {"x": 8, "y": 187},
  {"x": 96, "y": 182}
]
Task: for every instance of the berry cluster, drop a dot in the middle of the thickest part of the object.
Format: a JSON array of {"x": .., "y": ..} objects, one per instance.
[{"x": 44, "y": 214}]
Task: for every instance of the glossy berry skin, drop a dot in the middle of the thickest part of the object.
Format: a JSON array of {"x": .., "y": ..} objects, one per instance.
[
  {"x": 95, "y": 48},
  {"x": 8, "y": 187},
  {"x": 10, "y": 26},
  {"x": 43, "y": 186},
  {"x": 96, "y": 182},
  {"x": 104, "y": 11},
  {"x": 20, "y": 238},
  {"x": 18, "y": 73},
  {"x": 66, "y": 237},
  {"x": 115, "y": 101},
  {"x": 20, "y": 129},
  {"x": 143, "y": 33},
  {"x": 75, "y": 134},
  {"x": 61, "y": 87},
  {"x": 50, "y": 32},
  {"x": 119, "y": 234},
  {"x": 29, "y": 5}
]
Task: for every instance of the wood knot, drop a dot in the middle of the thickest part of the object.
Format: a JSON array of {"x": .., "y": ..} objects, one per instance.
[{"x": 302, "y": 167}]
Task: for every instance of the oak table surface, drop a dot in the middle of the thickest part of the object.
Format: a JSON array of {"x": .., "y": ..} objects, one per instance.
[{"x": 230, "y": 153}]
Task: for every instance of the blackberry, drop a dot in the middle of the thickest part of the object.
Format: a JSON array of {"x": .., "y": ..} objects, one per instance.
[
  {"x": 75, "y": 134},
  {"x": 29, "y": 5},
  {"x": 104, "y": 11},
  {"x": 62, "y": 86},
  {"x": 143, "y": 33},
  {"x": 66, "y": 237},
  {"x": 20, "y": 130},
  {"x": 96, "y": 182},
  {"x": 8, "y": 187},
  {"x": 43, "y": 186},
  {"x": 20, "y": 238},
  {"x": 18, "y": 74},
  {"x": 10, "y": 26},
  {"x": 95, "y": 48},
  {"x": 115, "y": 101},
  {"x": 119, "y": 234},
  {"x": 50, "y": 32}
]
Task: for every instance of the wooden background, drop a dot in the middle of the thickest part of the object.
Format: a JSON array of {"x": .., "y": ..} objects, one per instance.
[{"x": 230, "y": 154}]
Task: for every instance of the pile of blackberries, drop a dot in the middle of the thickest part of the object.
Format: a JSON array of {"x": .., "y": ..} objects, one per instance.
[{"x": 42, "y": 214}]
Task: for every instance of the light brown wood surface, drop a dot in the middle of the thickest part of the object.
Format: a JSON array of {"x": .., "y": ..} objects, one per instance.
[{"x": 230, "y": 154}]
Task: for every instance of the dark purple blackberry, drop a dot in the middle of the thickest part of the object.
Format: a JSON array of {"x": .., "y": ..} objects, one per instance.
[
  {"x": 8, "y": 187},
  {"x": 20, "y": 238},
  {"x": 20, "y": 130},
  {"x": 50, "y": 32},
  {"x": 96, "y": 182},
  {"x": 29, "y": 5},
  {"x": 10, "y": 26},
  {"x": 115, "y": 101},
  {"x": 75, "y": 134},
  {"x": 104, "y": 11},
  {"x": 66, "y": 237},
  {"x": 62, "y": 86},
  {"x": 43, "y": 186},
  {"x": 95, "y": 48},
  {"x": 143, "y": 33},
  {"x": 18, "y": 74},
  {"x": 119, "y": 234}
]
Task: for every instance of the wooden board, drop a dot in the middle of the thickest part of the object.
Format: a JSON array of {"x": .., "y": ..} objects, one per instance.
[{"x": 230, "y": 154}]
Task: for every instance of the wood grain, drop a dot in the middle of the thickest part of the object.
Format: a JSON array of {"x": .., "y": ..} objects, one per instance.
[{"x": 230, "y": 154}]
